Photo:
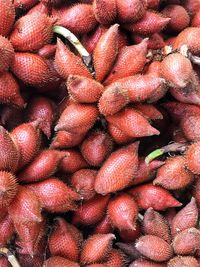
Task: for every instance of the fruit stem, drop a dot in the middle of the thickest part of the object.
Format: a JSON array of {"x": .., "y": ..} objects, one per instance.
[
  {"x": 11, "y": 258},
  {"x": 87, "y": 58},
  {"x": 175, "y": 147}
]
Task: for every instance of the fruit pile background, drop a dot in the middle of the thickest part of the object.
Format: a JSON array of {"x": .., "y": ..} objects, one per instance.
[{"x": 100, "y": 135}]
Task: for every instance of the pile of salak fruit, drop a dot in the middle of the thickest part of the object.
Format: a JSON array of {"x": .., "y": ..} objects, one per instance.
[{"x": 99, "y": 133}]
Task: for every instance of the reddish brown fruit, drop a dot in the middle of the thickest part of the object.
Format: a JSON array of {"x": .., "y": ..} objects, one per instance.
[
  {"x": 196, "y": 20},
  {"x": 96, "y": 248},
  {"x": 59, "y": 261},
  {"x": 129, "y": 249},
  {"x": 132, "y": 123},
  {"x": 105, "y": 11},
  {"x": 91, "y": 211},
  {"x": 7, "y": 16},
  {"x": 84, "y": 90},
  {"x": 4, "y": 262},
  {"x": 123, "y": 212},
  {"x": 31, "y": 32},
  {"x": 78, "y": 18},
  {"x": 187, "y": 242},
  {"x": 73, "y": 162},
  {"x": 154, "y": 248},
  {"x": 64, "y": 139},
  {"x": 9, "y": 90},
  {"x": 190, "y": 37},
  {"x": 196, "y": 191},
  {"x": 150, "y": 23},
  {"x": 104, "y": 226},
  {"x": 83, "y": 183},
  {"x": 77, "y": 118},
  {"x": 42, "y": 167},
  {"x": 25, "y": 207},
  {"x": 179, "y": 261},
  {"x": 96, "y": 147},
  {"x": 130, "y": 61},
  {"x": 146, "y": 263},
  {"x": 54, "y": 195},
  {"x": 24, "y": 4},
  {"x": 186, "y": 218},
  {"x": 67, "y": 63},
  {"x": 116, "y": 258},
  {"x": 155, "y": 224},
  {"x": 173, "y": 174},
  {"x": 152, "y": 196},
  {"x": 149, "y": 111},
  {"x": 190, "y": 126},
  {"x": 9, "y": 156},
  {"x": 40, "y": 7},
  {"x": 105, "y": 52},
  {"x": 177, "y": 70},
  {"x": 192, "y": 158},
  {"x": 63, "y": 242},
  {"x": 8, "y": 188},
  {"x": 119, "y": 136},
  {"x": 130, "y": 11},
  {"x": 118, "y": 170},
  {"x": 27, "y": 138},
  {"x": 43, "y": 109},
  {"x": 31, "y": 69},
  {"x": 129, "y": 235},
  {"x": 179, "y": 17},
  {"x": 7, "y": 230},
  {"x": 96, "y": 265},
  {"x": 47, "y": 51},
  {"x": 153, "y": 4},
  {"x": 155, "y": 41},
  {"x": 7, "y": 54}
]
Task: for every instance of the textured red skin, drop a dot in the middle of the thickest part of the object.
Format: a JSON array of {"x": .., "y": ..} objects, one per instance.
[
  {"x": 78, "y": 18},
  {"x": 105, "y": 11},
  {"x": 187, "y": 242},
  {"x": 44, "y": 165},
  {"x": 31, "y": 32},
  {"x": 27, "y": 138},
  {"x": 47, "y": 51},
  {"x": 3, "y": 213},
  {"x": 59, "y": 261},
  {"x": 118, "y": 170},
  {"x": 96, "y": 265},
  {"x": 150, "y": 23},
  {"x": 91, "y": 211},
  {"x": 43, "y": 109},
  {"x": 116, "y": 258},
  {"x": 179, "y": 261},
  {"x": 73, "y": 162},
  {"x": 7, "y": 54},
  {"x": 53, "y": 3},
  {"x": 128, "y": 236},
  {"x": 149, "y": 111},
  {"x": 104, "y": 226},
  {"x": 63, "y": 242},
  {"x": 196, "y": 191},
  {"x": 130, "y": 61},
  {"x": 196, "y": 20},
  {"x": 8, "y": 188},
  {"x": 9, "y": 152},
  {"x": 83, "y": 183},
  {"x": 64, "y": 139},
  {"x": 77, "y": 118},
  {"x": 54, "y": 195},
  {"x": 153, "y": 4},
  {"x": 173, "y": 175},
  {"x": 192, "y": 158},
  {"x": 25, "y": 207},
  {"x": 146, "y": 263},
  {"x": 11, "y": 116},
  {"x": 25, "y": 4},
  {"x": 155, "y": 224},
  {"x": 67, "y": 63},
  {"x": 192, "y": 6},
  {"x": 84, "y": 90},
  {"x": 154, "y": 248},
  {"x": 149, "y": 195},
  {"x": 10, "y": 91},
  {"x": 186, "y": 218},
  {"x": 130, "y": 11},
  {"x": 4, "y": 262},
  {"x": 190, "y": 37},
  {"x": 132, "y": 123},
  {"x": 96, "y": 148},
  {"x": 7, "y": 16},
  {"x": 123, "y": 212},
  {"x": 129, "y": 249},
  {"x": 96, "y": 248},
  {"x": 179, "y": 17},
  {"x": 119, "y": 136},
  {"x": 190, "y": 127},
  {"x": 176, "y": 70},
  {"x": 40, "y": 7},
  {"x": 105, "y": 52},
  {"x": 155, "y": 41},
  {"x": 7, "y": 230},
  {"x": 31, "y": 69}
]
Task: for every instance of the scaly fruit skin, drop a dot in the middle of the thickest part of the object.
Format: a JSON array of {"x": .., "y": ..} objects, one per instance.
[
  {"x": 8, "y": 188},
  {"x": 47, "y": 51},
  {"x": 155, "y": 41},
  {"x": 105, "y": 11},
  {"x": 24, "y": 4},
  {"x": 64, "y": 139},
  {"x": 192, "y": 6},
  {"x": 96, "y": 248},
  {"x": 196, "y": 20},
  {"x": 149, "y": 195},
  {"x": 78, "y": 18},
  {"x": 179, "y": 261},
  {"x": 67, "y": 63},
  {"x": 4, "y": 262},
  {"x": 105, "y": 52},
  {"x": 186, "y": 218},
  {"x": 7, "y": 230},
  {"x": 129, "y": 236},
  {"x": 40, "y": 7},
  {"x": 154, "y": 248},
  {"x": 187, "y": 242},
  {"x": 118, "y": 170},
  {"x": 145, "y": 263},
  {"x": 59, "y": 261},
  {"x": 123, "y": 212},
  {"x": 7, "y": 54},
  {"x": 130, "y": 10},
  {"x": 190, "y": 127},
  {"x": 104, "y": 226},
  {"x": 31, "y": 32},
  {"x": 116, "y": 258},
  {"x": 7, "y": 16},
  {"x": 192, "y": 158}
]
